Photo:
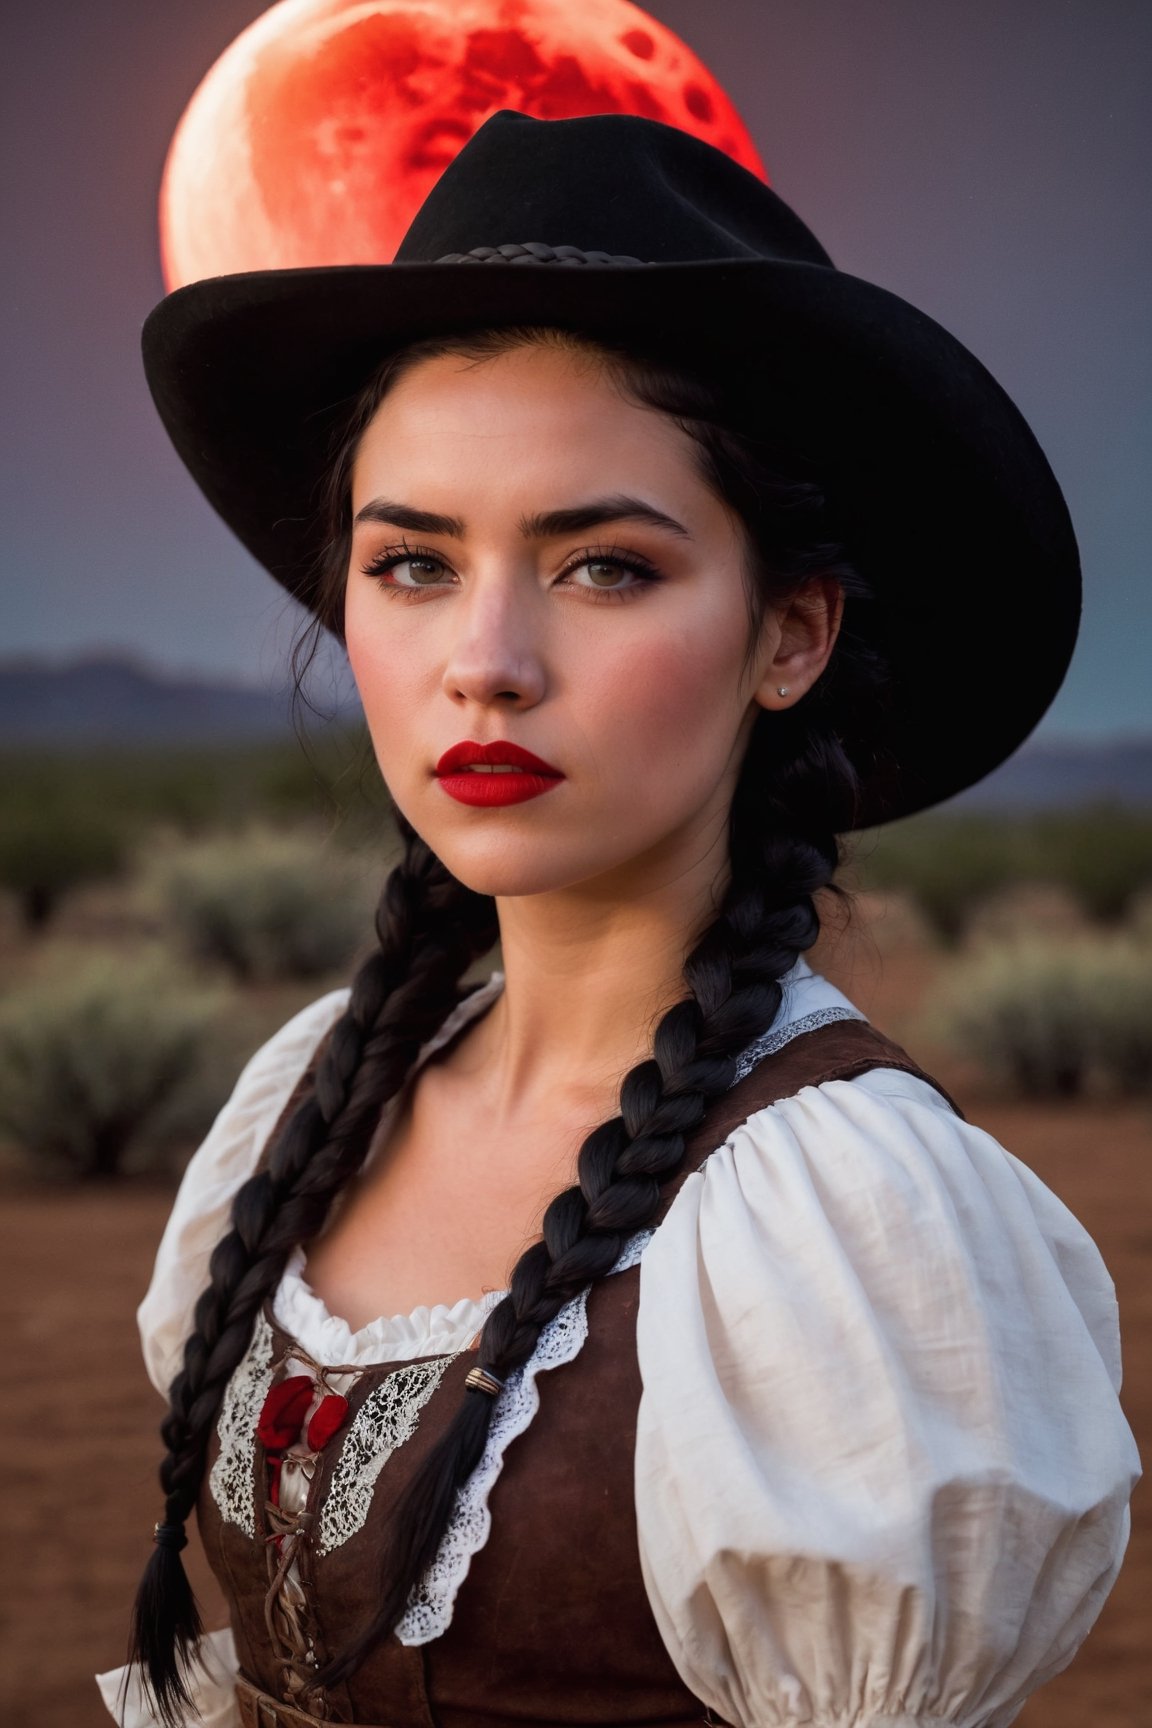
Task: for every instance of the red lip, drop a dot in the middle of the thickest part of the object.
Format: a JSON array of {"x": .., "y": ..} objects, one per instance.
[{"x": 463, "y": 755}]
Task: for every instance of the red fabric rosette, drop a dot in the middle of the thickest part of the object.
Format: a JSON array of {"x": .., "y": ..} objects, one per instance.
[
  {"x": 328, "y": 1419},
  {"x": 282, "y": 1418}
]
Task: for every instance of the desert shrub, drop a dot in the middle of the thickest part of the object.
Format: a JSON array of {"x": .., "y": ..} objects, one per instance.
[
  {"x": 1053, "y": 1018},
  {"x": 947, "y": 865},
  {"x": 1103, "y": 854},
  {"x": 332, "y": 777},
  {"x": 101, "y": 1059},
  {"x": 264, "y": 904},
  {"x": 1126, "y": 1027},
  {"x": 48, "y": 848},
  {"x": 1025, "y": 909},
  {"x": 1139, "y": 922},
  {"x": 953, "y": 862}
]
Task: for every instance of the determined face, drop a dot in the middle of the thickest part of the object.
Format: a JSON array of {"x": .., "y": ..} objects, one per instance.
[{"x": 536, "y": 561}]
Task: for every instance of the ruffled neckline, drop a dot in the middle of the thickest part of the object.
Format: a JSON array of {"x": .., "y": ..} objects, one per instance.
[{"x": 426, "y": 1331}]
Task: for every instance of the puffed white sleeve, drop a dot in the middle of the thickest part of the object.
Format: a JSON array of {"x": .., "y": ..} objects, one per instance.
[
  {"x": 220, "y": 1166},
  {"x": 211, "y": 1687},
  {"x": 882, "y": 1470}
]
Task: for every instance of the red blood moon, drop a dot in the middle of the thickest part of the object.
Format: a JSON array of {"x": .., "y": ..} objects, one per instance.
[{"x": 318, "y": 133}]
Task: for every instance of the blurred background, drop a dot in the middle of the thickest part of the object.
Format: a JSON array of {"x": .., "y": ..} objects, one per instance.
[{"x": 190, "y": 850}]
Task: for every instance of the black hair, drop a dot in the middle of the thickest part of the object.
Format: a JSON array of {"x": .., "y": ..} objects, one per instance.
[{"x": 797, "y": 792}]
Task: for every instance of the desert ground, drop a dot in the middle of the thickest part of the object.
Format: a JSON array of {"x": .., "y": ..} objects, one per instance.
[{"x": 81, "y": 1428}]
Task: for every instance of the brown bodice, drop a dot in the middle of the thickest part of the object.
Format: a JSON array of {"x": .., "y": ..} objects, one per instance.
[{"x": 552, "y": 1623}]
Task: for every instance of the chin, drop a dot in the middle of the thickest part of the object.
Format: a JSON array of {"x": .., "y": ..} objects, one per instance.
[
  {"x": 518, "y": 862},
  {"x": 535, "y": 848},
  {"x": 510, "y": 867}
]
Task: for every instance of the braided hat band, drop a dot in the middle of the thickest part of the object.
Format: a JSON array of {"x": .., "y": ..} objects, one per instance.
[{"x": 535, "y": 252}]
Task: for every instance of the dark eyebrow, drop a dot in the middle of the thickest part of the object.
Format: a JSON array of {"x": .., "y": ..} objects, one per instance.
[
  {"x": 550, "y": 524},
  {"x": 414, "y": 521},
  {"x": 547, "y": 525}
]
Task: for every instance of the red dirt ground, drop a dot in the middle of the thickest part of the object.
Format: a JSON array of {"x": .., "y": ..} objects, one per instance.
[{"x": 80, "y": 1465}]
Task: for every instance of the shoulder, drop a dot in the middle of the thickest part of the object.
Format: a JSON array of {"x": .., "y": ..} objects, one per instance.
[
  {"x": 889, "y": 1187},
  {"x": 880, "y": 1364},
  {"x": 288, "y": 1051},
  {"x": 274, "y": 1068},
  {"x": 234, "y": 1142},
  {"x": 857, "y": 1144},
  {"x": 217, "y": 1169}
]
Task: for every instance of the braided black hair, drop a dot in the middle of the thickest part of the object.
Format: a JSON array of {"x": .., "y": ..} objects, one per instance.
[{"x": 796, "y": 793}]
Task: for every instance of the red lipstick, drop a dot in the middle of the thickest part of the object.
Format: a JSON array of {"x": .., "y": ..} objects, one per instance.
[{"x": 459, "y": 779}]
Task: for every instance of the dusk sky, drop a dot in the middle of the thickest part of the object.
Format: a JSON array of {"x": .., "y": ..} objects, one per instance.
[{"x": 987, "y": 159}]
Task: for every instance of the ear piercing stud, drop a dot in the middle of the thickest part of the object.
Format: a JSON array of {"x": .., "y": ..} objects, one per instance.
[{"x": 782, "y": 690}]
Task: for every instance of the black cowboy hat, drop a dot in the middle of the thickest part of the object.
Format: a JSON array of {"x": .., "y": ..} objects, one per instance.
[{"x": 632, "y": 230}]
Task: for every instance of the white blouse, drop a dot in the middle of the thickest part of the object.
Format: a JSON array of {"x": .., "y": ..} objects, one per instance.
[{"x": 882, "y": 1472}]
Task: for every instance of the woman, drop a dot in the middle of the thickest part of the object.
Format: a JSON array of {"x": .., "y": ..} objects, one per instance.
[{"x": 800, "y": 1405}]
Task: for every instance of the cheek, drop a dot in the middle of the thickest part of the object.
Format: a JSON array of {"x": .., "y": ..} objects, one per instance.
[
  {"x": 386, "y": 677},
  {"x": 672, "y": 702}
]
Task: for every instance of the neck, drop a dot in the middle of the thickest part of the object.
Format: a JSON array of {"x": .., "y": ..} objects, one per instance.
[{"x": 587, "y": 978}]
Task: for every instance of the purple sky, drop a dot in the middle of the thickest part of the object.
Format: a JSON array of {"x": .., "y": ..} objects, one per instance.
[{"x": 988, "y": 159}]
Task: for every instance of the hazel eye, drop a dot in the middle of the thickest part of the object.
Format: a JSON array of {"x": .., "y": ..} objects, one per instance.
[
  {"x": 644, "y": 574},
  {"x": 390, "y": 560},
  {"x": 594, "y": 564}
]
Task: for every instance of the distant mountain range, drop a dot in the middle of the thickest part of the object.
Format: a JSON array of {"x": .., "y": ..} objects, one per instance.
[
  {"x": 1049, "y": 776},
  {"x": 108, "y": 700}
]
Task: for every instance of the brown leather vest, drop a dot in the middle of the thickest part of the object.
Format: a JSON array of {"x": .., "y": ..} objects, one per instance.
[{"x": 552, "y": 1623}]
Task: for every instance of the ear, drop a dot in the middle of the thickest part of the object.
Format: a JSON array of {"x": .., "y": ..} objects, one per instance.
[{"x": 804, "y": 628}]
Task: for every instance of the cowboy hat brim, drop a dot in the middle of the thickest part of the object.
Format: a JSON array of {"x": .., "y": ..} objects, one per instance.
[{"x": 939, "y": 488}]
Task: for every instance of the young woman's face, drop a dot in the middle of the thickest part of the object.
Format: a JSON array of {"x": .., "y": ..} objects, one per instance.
[{"x": 610, "y": 647}]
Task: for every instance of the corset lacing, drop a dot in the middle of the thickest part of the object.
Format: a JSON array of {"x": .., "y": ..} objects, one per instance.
[{"x": 287, "y": 1613}]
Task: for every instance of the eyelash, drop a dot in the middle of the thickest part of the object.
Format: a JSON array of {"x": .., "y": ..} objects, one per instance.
[{"x": 391, "y": 556}]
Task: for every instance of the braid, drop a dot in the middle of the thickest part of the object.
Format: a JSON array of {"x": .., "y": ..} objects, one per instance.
[
  {"x": 431, "y": 928},
  {"x": 767, "y": 919}
]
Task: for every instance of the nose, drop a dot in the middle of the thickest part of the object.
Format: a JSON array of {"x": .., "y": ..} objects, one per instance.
[{"x": 496, "y": 651}]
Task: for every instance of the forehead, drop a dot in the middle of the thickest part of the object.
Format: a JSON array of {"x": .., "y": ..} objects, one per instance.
[{"x": 531, "y": 416}]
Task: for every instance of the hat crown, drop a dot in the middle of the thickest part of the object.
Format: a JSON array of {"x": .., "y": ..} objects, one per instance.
[{"x": 610, "y": 183}]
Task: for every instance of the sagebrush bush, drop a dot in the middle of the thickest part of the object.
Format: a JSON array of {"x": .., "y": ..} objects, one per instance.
[
  {"x": 948, "y": 865},
  {"x": 265, "y": 904},
  {"x": 952, "y": 862},
  {"x": 104, "y": 1058},
  {"x": 331, "y": 776},
  {"x": 1140, "y": 917},
  {"x": 47, "y": 849},
  {"x": 1039, "y": 909},
  {"x": 1053, "y": 1017}
]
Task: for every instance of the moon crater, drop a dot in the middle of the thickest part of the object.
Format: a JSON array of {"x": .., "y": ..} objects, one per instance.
[{"x": 319, "y": 132}]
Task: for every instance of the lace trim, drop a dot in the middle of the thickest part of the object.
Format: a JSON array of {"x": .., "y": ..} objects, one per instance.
[
  {"x": 769, "y": 1042},
  {"x": 231, "y": 1479},
  {"x": 429, "y": 1610},
  {"x": 387, "y": 1418}
]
